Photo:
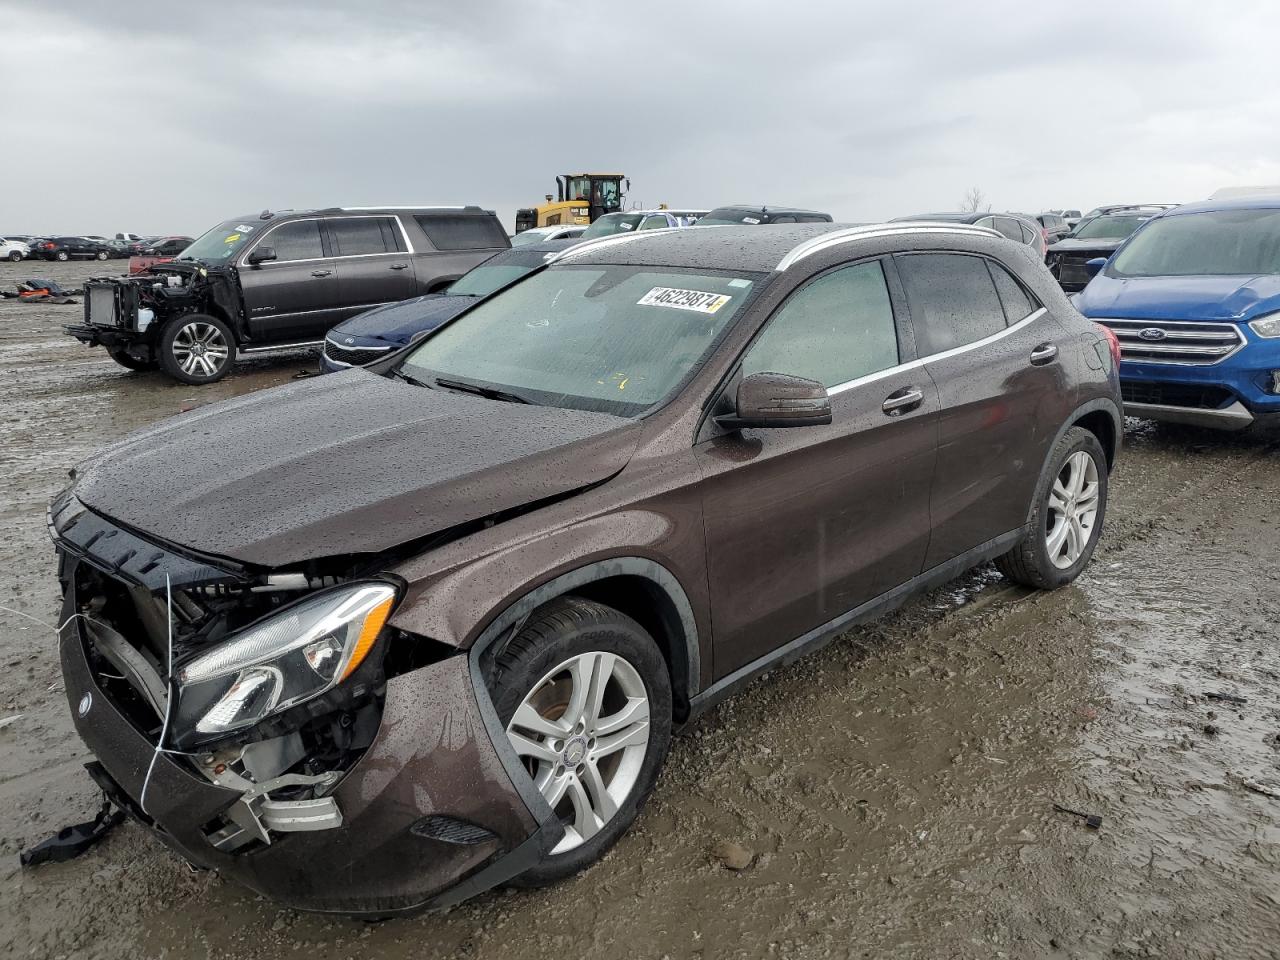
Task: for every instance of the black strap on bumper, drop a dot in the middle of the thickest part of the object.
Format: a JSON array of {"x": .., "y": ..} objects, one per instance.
[{"x": 69, "y": 842}]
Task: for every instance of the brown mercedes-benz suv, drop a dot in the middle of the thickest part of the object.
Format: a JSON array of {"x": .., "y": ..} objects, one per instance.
[{"x": 382, "y": 640}]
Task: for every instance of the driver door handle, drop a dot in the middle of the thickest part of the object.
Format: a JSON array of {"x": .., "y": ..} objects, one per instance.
[
  {"x": 901, "y": 401},
  {"x": 399, "y": 266},
  {"x": 321, "y": 273},
  {"x": 1044, "y": 353}
]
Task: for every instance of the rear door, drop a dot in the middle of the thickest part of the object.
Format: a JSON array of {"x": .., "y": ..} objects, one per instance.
[
  {"x": 374, "y": 266},
  {"x": 805, "y": 523},
  {"x": 992, "y": 351},
  {"x": 293, "y": 298}
]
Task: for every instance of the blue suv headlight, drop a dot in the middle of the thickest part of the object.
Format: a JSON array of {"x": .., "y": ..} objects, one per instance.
[{"x": 1267, "y": 327}]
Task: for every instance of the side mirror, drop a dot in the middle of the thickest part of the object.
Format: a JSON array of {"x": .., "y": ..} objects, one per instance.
[
  {"x": 262, "y": 255},
  {"x": 778, "y": 400},
  {"x": 1094, "y": 265}
]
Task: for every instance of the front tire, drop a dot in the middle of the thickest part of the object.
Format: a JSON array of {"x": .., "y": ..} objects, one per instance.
[
  {"x": 14, "y": 256},
  {"x": 585, "y": 697},
  {"x": 101, "y": 255},
  {"x": 1066, "y": 521},
  {"x": 62, "y": 256},
  {"x": 197, "y": 349}
]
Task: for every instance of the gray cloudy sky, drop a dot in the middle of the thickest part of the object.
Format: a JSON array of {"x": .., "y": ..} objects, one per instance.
[{"x": 170, "y": 117}]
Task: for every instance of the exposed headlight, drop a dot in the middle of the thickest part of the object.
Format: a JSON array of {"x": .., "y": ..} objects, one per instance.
[
  {"x": 288, "y": 658},
  {"x": 1267, "y": 327}
]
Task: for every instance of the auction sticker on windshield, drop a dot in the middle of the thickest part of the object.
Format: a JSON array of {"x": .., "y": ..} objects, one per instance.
[{"x": 683, "y": 299}]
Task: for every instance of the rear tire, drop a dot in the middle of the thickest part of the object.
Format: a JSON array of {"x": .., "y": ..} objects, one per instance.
[
  {"x": 101, "y": 254},
  {"x": 1066, "y": 520},
  {"x": 62, "y": 256},
  {"x": 196, "y": 348},
  {"x": 14, "y": 256},
  {"x": 599, "y": 769},
  {"x": 130, "y": 362}
]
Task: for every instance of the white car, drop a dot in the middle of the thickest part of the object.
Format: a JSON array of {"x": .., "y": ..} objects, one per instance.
[
  {"x": 629, "y": 220},
  {"x": 567, "y": 231},
  {"x": 13, "y": 250}
]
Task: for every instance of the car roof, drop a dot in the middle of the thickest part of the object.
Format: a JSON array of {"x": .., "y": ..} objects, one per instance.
[
  {"x": 957, "y": 216},
  {"x": 738, "y": 248},
  {"x": 265, "y": 216},
  {"x": 1232, "y": 203},
  {"x": 768, "y": 208}
]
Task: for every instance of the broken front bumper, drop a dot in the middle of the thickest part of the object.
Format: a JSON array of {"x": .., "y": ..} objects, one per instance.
[{"x": 428, "y": 816}]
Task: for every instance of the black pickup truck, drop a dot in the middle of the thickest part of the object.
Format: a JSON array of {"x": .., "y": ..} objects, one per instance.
[{"x": 278, "y": 281}]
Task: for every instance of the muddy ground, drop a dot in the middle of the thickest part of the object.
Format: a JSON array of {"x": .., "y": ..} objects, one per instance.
[{"x": 896, "y": 789}]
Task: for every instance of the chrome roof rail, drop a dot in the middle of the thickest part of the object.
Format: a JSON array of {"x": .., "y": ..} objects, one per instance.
[
  {"x": 871, "y": 231},
  {"x": 614, "y": 240}
]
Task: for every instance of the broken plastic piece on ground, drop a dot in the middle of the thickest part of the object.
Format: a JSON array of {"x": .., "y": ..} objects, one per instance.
[
  {"x": 1226, "y": 697},
  {"x": 69, "y": 842},
  {"x": 1091, "y": 820}
]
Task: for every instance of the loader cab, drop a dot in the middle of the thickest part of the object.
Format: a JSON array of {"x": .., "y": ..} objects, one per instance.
[{"x": 602, "y": 192}]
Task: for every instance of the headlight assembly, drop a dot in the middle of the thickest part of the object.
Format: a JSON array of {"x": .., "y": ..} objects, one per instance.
[
  {"x": 283, "y": 660},
  {"x": 1267, "y": 327}
]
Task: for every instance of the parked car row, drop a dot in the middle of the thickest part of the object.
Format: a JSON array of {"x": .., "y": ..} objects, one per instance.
[
  {"x": 379, "y": 641},
  {"x": 72, "y": 247}
]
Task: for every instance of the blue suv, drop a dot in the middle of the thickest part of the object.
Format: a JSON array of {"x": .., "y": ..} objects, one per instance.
[{"x": 1194, "y": 299}]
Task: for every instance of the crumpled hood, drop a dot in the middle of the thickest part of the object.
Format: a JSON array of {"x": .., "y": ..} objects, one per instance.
[
  {"x": 348, "y": 463},
  {"x": 1181, "y": 298},
  {"x": 398, "y": 322}
]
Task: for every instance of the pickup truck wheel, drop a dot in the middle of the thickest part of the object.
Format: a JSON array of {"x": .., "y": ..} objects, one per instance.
[
  {"x": 585, "y": 697},
  {"x": 129, "y": 361},
  {"x": 1066, "y": 521},
  {"x": 62, "y": 256},
  {"x": 197, "y": 348}
]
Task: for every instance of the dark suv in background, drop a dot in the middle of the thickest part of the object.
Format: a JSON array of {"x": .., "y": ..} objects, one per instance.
[
  {"x": 71, "y": 248},
  {"x": 383, "y": 639},
  {"x": 279, "y": 281}
]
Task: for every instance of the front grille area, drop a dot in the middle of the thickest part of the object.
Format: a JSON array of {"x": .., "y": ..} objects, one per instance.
[
  {"x": 1072, "y": 271},
  {"x": 1176, "y": 394},
  {"x": 353, "y": 356},
  {"x": 1175, "y": 341}
]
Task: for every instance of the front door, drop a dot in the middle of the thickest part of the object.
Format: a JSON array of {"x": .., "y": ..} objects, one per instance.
[
  {"x": 293, "y": 298},
  {"x": 806, "y": 523},
  {"x": 373, "y": 264},
  {"x": 992, "y": 351}
]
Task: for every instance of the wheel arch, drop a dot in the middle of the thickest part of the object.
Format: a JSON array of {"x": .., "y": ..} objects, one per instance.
[{"x": 1103, "y": 419}]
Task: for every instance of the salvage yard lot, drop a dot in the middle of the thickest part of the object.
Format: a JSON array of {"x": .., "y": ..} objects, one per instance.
[{"x": 895, "y": 791}]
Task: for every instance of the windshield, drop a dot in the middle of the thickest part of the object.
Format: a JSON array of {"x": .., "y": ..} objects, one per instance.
[
  {"x": 483, "y": 280},
  {"x": 611, "y": 339},
  {"x": 1216, "y": 243},
  {"x": 528, "y": 237},
  {"x": 1109, "y": 228},
  {"x": 612, "y": 223},
  {"x": 221, "y": 243}
]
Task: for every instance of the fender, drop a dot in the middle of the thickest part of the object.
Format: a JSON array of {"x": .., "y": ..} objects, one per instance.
[{"x": 1105, "y": 404}]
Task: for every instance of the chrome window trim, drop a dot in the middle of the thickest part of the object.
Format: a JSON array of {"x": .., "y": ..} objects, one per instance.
[
  {"x": 408, "y": 251},
  {"x": 874, "y": 231},
  {"x": 943, "y": 355}
]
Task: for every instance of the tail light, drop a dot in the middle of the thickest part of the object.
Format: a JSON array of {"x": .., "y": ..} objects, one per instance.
[{"x": 1112, "y": 341}]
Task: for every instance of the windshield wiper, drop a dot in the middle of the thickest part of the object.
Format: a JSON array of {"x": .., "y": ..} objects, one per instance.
[
  {"x": 493, "y": 393},
  {"x": 408, "y": 379}
]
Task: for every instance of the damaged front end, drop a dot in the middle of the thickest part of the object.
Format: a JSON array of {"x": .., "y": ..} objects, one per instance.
[{"x": 270, "y": 725}]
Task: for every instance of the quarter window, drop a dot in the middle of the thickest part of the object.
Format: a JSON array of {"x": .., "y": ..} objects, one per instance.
[
  {"x": 953, "y": 300},
  {"x": 1017, "y": 302},
  {"x": 475, "y": 232},
  {"x": 837, "y": 328},
  {"x": 299, "y": 240},
  {"x": 1009, "y": 227},
  {"x": 354, "y": 236}
]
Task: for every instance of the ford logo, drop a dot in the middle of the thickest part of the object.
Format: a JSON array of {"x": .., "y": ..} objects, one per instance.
[
  {"x": 85, "y": 703},
  {"x": 1152, "y": 333}
]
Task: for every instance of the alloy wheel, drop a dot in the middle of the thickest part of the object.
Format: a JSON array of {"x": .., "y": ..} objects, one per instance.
[
  {"x": 200, "y": 349},
  {"x": 1073, "y": 510},
  {"x": 582, "y": 732}
]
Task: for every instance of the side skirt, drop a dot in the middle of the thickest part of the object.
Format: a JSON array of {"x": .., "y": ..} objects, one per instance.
[{"x": 819, "y": 637}]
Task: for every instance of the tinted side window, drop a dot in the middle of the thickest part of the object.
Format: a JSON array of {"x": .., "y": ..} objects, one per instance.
[
  {"x": 299, "y": 240},
  {"x": 1009, "y": 227},
  {"x": 654, "y": 223},
  {"x": 953, "y": 300},
  {"x": 837, "y": 328},
  {"x": 784, "y": 219},
  {"x": 450, "y": 232},
  {"x": 353, "y": 236},
  {"x": 1017, "y": 302}
]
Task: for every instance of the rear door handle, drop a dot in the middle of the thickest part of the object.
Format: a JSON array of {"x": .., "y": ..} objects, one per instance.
[
  {"x": 1045, "y": 353},
  {"x": 399, "y": 266},
  {"x": 321, "y": 273},
  {"x": 901, "y": 401}
]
